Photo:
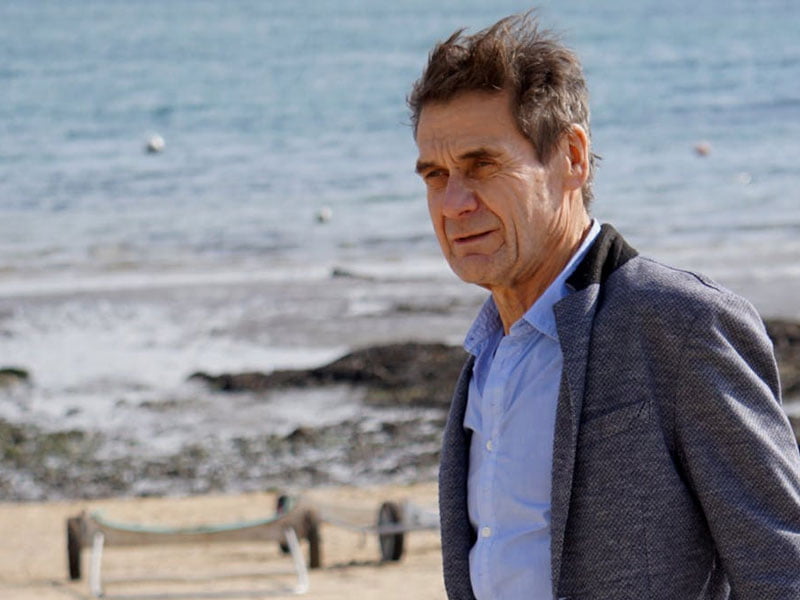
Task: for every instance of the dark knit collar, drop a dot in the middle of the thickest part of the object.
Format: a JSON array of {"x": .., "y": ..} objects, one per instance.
[{"x": 609, "y": 252}]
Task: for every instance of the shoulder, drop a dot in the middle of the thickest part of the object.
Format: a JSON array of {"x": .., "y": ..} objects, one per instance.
[
  {"x": 646, "y": 277},
  {"x": 666, "y": 311},
  {"x": 646, "y": 287}
]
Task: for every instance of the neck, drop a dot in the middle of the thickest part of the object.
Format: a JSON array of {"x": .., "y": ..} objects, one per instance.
[{"x": 513, "y": 302}]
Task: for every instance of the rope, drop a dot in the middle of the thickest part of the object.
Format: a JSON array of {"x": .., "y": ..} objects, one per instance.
[{"x": 98, "y": 517}]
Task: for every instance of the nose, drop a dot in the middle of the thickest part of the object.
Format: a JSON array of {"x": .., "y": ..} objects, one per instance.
[{"x": 459, "y": 199}]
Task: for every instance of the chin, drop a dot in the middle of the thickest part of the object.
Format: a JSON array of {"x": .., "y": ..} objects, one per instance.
[
  {"x": 472, "y": 273},
  {"x": 484, "y": 269}
]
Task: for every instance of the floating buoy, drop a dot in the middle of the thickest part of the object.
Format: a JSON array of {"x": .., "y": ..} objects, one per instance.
[
  {"x": 324, "y": 214},
  {"x": 702, "y": 148},
  {"x": 155, "y": 144}
]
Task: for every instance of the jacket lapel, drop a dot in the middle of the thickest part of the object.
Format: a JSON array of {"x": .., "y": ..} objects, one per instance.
[
  {"x": 574, "y": 316},
  {"x": 574, "y": 320}
]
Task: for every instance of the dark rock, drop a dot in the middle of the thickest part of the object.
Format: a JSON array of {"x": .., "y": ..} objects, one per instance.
[
  {"x": 785, "y": 337},
  {"x": 166, "y": 405},
  {"x": 784, "y": 334},
  {"x": 12, "y": 376},
  {"x": 338, "y": 272},
  {"x": 238, "y": 382},
  {"x": 425, "y": 308},
  {"x": 407, "y": 374},
  {"x": 415, "y": 374},
  {"x": 396, "y": 365},
  {"x": 390, "y": 428},
  {"x": 301, "y": 435}
]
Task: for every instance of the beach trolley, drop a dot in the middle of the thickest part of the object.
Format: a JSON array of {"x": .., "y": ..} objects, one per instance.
[
  {"x": 293, "y": 522},
  {"x": 394, "y": 520}
]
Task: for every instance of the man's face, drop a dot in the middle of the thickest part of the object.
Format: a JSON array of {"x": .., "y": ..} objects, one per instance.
[{"x": 498, "y": 212}]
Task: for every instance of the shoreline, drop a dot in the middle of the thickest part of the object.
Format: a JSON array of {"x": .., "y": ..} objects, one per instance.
[
  {"x": 373, "y": 416},
  {"x": 772, "y": 292}
]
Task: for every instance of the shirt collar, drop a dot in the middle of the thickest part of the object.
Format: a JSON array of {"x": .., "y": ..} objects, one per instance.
[
  {"x": 540, "y": 315},
  {"x": 485, "y": 326}
]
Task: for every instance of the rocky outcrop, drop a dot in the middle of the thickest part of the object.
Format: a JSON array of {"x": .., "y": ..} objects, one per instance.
[{"x": 409, "y": 374}]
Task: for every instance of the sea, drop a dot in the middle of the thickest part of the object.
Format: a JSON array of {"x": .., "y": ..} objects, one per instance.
[{"x": 280, "y": 224}]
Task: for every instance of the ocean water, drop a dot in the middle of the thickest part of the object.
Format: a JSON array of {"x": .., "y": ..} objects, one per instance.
[
  {"x": 273, "y": 110},
  {"x": 122, "y": 271}
]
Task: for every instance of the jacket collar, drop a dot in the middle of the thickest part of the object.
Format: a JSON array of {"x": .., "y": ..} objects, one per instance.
[{"x": 608, "y": 253}]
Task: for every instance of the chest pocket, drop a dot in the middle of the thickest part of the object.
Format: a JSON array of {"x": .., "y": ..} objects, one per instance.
[{"x": 611, "y": 423}]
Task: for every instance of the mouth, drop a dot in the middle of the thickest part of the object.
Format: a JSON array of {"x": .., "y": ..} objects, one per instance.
[{"x": 471, "y": 238}]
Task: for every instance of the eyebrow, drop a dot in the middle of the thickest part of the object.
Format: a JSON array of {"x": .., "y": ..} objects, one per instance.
[
  {"x": 423, "y": 166},
  {"x": 470, "y": 155},
  {"x": 479, "y": 153}
]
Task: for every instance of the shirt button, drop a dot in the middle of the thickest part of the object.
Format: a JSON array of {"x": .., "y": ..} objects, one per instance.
[
  {"x": 489, "y": 445},
  {"x": 486, "y": 532}
]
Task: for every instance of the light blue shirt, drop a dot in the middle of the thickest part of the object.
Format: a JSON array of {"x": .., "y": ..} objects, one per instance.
[{"x": 511, "y": 410}]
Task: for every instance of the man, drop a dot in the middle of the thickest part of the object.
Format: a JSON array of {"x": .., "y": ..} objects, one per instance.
[{"x": 617, "y": 433}]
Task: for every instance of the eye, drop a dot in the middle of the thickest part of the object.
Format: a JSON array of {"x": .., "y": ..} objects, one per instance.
[
  {"x": 434, "y": 176},
  {"x": 483, "y": 167}
]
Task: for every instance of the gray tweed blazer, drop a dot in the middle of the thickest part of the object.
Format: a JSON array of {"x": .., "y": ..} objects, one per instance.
[{"x": 675, "y": 471}]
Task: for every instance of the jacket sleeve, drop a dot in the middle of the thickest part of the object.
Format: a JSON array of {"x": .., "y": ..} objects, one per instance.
[{"x": 737, "y": 449}]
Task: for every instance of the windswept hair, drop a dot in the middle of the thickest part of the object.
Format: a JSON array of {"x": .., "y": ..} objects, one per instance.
[{"x": 544, "y": 78}]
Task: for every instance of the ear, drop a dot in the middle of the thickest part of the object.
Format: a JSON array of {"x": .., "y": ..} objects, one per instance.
[{"x": 576, "y": 151}]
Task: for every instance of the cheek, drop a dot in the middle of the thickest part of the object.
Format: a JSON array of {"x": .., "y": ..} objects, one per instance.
[
  {"x": 524, "y": 225},
  {"x": 512, "y": 209},
  {"x": 433, "y": 209},
  {"x": 435, "y": 212}
]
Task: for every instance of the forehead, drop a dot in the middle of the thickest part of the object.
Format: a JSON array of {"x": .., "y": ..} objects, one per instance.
[
  {"x": 470, "y": 114},
  {"x": 471, "y": 119}
]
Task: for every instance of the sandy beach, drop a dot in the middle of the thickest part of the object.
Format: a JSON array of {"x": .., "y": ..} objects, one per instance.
[{"x": 33, "y": 562}]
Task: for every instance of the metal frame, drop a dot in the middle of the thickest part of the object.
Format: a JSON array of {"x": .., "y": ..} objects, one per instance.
[
  {"x": 96, "y": 577},
  {"x": 92, "y": 531},
  {"x": 394, "y": 520}
]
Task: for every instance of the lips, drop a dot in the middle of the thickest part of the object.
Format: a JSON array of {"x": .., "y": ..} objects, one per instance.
[{"x": 471, "y": 237}]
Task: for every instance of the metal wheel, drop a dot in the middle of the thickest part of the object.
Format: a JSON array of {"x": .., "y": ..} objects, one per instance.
[
  {"x": 74, "y": 547},
  {"x": 284, "y": 505},
  {"x": 391, "y": 543},
  {"x": 314, "y": 541}
]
